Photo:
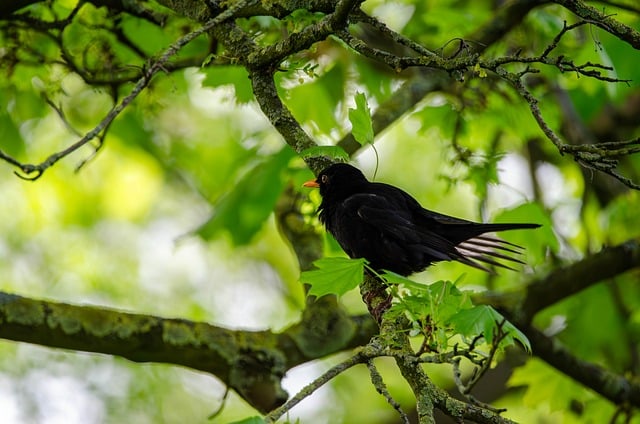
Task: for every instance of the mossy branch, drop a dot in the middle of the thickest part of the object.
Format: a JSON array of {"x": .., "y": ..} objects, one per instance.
[{"x": 251, "y": 362}]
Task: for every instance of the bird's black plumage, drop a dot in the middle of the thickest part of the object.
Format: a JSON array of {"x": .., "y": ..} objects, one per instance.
[{"x": 389, "y": 228}]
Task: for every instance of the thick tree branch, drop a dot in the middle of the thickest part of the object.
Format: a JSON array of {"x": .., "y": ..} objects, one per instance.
[
  {"x": 520, "y": 309},
  {"x": 250, "y": 362},
  {"x": 311, "y": 34},
  {"x": 281, "y": 118},
  {"x": 566, "y": 281},
  {"x": 195, "y": 10}
]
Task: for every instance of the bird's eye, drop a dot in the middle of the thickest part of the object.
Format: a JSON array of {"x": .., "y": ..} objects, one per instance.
[{"x": 324, "y": 179}]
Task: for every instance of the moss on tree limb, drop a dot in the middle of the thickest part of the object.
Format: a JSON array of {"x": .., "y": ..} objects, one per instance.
[{"x": 251, "y": 362}]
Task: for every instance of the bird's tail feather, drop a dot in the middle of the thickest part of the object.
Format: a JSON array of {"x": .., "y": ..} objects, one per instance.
[
  {"x": 495, "y": 227},
  {"x": 484, "y": 249},
  {"x": 495, "y": 243},
  {"x": 458, "y": 233}
]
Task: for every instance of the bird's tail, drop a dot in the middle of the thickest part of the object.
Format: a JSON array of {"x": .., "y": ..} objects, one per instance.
[
  {"x": 478, "y": 248},
  {"x": 489, "y": 228}
]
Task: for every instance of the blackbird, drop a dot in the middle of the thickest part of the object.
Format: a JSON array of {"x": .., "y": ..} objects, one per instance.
[{"x": 389, "y": 228}]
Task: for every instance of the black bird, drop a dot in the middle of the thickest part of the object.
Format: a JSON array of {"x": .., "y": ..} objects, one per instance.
[{"x": 389, "y": 228}]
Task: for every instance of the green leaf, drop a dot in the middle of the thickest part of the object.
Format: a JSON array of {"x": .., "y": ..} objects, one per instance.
[
  {"x": 360, "y": 118},
  {"x": 334, "y": 152},
  {"x": 12, "y": 141},
  {"x": 334, "y": 276},
  {"x": 393, "y": 278},
  {"x": 544, "y": 385},
  {"x": 437, "y": 301},
  {"x": 483, "y": 319},
  {"x": 315, "y": 103},
  {"x": 216, "y": 76},
  {"x": 156, "y": 37},
  {"x": 449, "y": 300},
  {"x": 244, "y": 209}
]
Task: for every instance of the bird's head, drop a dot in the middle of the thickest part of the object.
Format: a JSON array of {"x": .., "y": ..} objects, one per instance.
[{"x": 339, "y": 180}]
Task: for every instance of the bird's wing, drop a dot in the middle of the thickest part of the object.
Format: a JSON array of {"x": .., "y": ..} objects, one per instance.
[{"x": 396, "y": 225}]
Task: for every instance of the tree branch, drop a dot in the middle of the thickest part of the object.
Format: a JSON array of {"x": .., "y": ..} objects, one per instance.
[
  {"x": 359, "y": 358},
  {"x": 281, "y": 118},
  {"x": 394, "y": 336},
  {"x": 558, "y": 285},
  {"x": 378, "y": 383},
  {"x": 250, "y": 362},
  {"x": 428, "y": 81},
  {"x": 273, "y": 54},
  {"x": 601, "y": 20},
  {"x": 600, "y": 156},
  {"x": 566, "y": 281}
]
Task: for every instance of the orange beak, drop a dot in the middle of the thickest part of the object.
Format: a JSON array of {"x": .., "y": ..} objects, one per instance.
[{"x": 311, "y": 183}]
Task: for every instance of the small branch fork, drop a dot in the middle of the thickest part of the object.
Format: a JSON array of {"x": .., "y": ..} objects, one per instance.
[
  {"x": 364, "y": 355},
  {"x": 482, "y": 365},
  {"x": 477, "y": 410},
  {"x": 603, "y": 156},
  {"x": 393, "y": 342}
]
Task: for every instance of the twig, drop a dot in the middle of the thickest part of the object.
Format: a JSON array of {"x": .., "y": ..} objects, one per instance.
[
  {"x": 378, "y": 383},
  {"x": 556, "y": 40},
  {"x": 601, "y": 20},
  {"x": 608, "y": 149},
  {"x": 399, "y": 38},
  {"x": 499, "y": 335},
  {"x": 397, "y": 63},
  {"x": 359, "y": 358},
  {"x": 61, "y": 115},
  {"x": 593, "y": 156},
  {"x": 482, "y": 366}
]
